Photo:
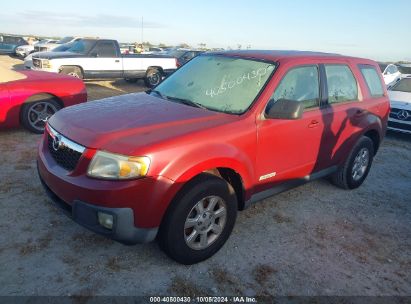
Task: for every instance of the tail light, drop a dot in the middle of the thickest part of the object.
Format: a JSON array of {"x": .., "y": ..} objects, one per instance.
[{"x": 177, "y": 63}]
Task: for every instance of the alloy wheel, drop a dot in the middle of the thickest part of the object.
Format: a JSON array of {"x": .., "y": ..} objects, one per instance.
[
  {"x": 205, "y": 222},
  {"x": 360, "y": 164}
]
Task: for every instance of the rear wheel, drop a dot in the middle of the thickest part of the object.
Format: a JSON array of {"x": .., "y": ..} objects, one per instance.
[
  {"x": 35, "y": 114},
  {"x": 72, "y": 71},
  {"x": 153, "y": 78},
  {"x": 199, "y": 221},
  {"x": 356, "y": 167}
]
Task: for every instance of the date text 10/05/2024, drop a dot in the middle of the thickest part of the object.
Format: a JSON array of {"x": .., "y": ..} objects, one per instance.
[{"x": 199, "y": 299}]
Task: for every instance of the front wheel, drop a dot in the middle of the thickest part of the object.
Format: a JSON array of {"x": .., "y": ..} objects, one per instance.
[
  {"x": 72, "y": 71},
  {"x": 153, "y": 78},
  {"x": 35, "y": 114},
  {"x": 357, "y": 165},
  {"x": 199, "y": 221}
]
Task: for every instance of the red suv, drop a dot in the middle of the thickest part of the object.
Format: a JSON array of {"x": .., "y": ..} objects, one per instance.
[{"x": 224, "y": 131}]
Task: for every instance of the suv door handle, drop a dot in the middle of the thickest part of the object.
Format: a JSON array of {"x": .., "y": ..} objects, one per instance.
[
  {"x": 313, "y": 124},
  {"x": 117, "y": 60}
]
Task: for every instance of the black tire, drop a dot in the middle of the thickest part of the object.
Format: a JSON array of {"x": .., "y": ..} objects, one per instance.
[
  {"x": 172, "y": 234},
  {"x": 28, "y": 116},
  {"x": 131, "y": 80},
  {"x": 344, "y": 178},
  {"x": 72, "y": 71},
  {"x": 153, "y": 78}
]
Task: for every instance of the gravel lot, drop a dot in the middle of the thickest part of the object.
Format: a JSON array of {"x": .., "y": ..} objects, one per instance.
[{"x": 313, "y": 240}]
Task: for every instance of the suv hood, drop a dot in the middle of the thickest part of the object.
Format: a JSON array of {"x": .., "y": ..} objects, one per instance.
[
  {"x": 125, "y": 123},
  {"x": 400, "y": 99}
]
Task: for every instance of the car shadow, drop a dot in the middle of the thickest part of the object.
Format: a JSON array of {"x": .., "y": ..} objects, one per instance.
[{"x": 98, "y": 89}]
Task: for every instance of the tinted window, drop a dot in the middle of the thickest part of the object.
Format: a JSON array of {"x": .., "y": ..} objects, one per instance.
[
  {"x": 105, "y": 49},
  {"x": 189, "y": 55},
  {"x": 300, "y": 84},
  {"x": 373, "y": 80},
  {"x": 12, "y": 40},
  {"x": 342, "y": 85},
  {"x": 404, "y": 85}
]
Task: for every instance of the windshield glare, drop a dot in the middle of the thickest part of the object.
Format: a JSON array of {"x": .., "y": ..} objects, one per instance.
[
  {"x": 82, "y": 46},
  {"x": 220, "y": 83}
]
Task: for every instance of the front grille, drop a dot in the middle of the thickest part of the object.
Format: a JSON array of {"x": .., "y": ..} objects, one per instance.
[
  {"x": 397, "y": 125},
  {"x": 405, "y": 114},
  {"x": 40, "y": 49},
  {"x": 65, "y": 156},
  {"x": 37, "y": 63}
]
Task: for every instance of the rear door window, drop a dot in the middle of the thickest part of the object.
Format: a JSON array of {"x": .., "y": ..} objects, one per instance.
[
  {"x": 300, "y": 84},
  {"x": 373, "y": 80},
  {"x": 342, "y": 86}
]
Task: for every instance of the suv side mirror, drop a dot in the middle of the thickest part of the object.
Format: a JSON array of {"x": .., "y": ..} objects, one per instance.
[
  {"x": 284, "y": 109},
  {"x": 94, "y": 54}
]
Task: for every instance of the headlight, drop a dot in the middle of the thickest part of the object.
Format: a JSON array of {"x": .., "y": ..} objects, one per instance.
[
  {"x": 114, "y": 166},
  {"x": 46, "y": 64}
]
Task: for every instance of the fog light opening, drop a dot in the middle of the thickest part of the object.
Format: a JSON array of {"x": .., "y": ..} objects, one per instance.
[{"x": 106, "y": 220}]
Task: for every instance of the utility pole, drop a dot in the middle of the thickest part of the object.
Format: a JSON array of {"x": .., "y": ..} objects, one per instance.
[{"x": 142, "y": 29}]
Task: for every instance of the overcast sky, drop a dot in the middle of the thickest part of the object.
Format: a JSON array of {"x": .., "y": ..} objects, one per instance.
[{"x": 368, "y": 28}]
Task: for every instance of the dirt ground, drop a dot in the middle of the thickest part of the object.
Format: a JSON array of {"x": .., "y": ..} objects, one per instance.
[{"x": 312, "y": 240}]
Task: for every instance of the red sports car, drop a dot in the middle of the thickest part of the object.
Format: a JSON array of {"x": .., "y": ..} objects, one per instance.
[{"x": 30, "y": 98}]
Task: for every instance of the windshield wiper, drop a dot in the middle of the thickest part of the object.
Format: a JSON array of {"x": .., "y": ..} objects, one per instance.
[
  {"x": 158, "y": 93},
  {"x": 180, "y": 100},
  {"x": 187, "y": 102}
]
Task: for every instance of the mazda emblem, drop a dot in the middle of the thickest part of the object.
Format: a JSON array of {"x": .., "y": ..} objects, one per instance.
[{"x": 56, "y": 143}]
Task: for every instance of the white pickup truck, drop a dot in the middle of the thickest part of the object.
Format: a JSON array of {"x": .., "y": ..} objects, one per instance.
[{"x": 101, "y": 58}]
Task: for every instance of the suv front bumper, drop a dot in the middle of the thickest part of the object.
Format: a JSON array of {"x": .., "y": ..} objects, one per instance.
[{"x": 85, "y": 214}]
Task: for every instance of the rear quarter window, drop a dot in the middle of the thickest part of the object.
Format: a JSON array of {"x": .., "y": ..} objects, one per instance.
[
  {"x": 372, "y": 79},
  {"x": 342, "y": 85}
]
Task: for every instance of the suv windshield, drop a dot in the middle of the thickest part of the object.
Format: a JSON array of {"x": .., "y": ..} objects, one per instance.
[
  {"x": 219, "y": 83},
  {"x": 65, "y": 40},
  {"x": 82, "y": 46},
  {"x": 63, "y": 47},
  {"x": 404, "y": 85}
]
